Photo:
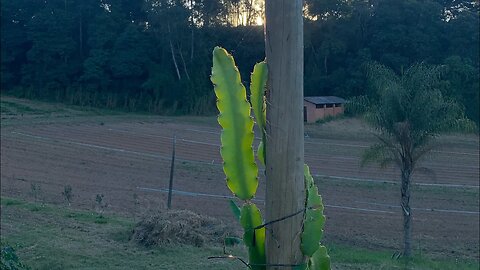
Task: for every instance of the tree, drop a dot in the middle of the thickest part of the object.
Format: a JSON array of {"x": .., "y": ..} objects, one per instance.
[
  {"x": 285, "y": 192},
  {"x": 409, "y": 112},
  {"x": 49, "y": 67},
  {"x": 68, "y": 50},
  {"x": 462, "y": 84},
  {"x": 13, "y": 39}
]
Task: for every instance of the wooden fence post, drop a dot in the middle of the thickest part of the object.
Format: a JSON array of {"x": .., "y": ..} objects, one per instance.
[{"x": 170, "y": 185}]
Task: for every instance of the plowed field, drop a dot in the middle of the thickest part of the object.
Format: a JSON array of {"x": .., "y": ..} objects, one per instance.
[{"x": 127, "y": 158}]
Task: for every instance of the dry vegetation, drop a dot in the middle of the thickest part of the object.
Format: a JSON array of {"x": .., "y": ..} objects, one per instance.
[{"x": 181, "y": 227}]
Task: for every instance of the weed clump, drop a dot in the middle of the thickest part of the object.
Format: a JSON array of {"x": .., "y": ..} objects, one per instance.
[
  {"x": 68, "y": 194},
  {"x": 180, "y": 227},
  {"x": 9, "y": 259}
]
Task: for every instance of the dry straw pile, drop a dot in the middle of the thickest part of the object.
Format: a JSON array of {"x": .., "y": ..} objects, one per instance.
[{"x": 180, "y": 227}]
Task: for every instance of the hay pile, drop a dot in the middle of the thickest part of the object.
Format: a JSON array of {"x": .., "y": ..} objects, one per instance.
[{"x": 180, "y": 227}]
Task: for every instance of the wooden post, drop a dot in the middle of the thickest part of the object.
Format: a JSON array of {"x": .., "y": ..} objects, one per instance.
[
  {"x": 285, "y": 190},
  {"x": 170, "y": 185}
]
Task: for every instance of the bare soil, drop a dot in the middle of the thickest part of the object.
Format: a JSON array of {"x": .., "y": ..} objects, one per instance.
[{"x": 127, "y": 159}]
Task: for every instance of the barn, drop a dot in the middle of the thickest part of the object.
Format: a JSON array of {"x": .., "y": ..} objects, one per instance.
[{"x": 317, "y": 108}]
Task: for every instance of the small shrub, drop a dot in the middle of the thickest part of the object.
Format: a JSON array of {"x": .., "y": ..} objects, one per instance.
[
  {"x": 329, "y": 118},
  {"x": 10, "y": 260},
  {"x": 100, "y": 204},
  {"x": 99, "y": 199},
  {"x": 35, "y": 190},
  {"x": 100, "y": 219},
  {"x": 136, "y": 202},
  {"x": 67, "y": 194}
]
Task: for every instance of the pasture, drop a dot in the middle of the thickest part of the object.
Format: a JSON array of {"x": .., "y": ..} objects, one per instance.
[{"x": 126, "y": 158}]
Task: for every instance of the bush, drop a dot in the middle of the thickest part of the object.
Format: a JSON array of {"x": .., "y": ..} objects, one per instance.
[{"x": 10, "y": 260}]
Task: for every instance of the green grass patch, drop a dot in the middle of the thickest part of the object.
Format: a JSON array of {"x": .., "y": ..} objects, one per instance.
[
  {"x": 18, "y": 108},
  {"x": 330, "y": 118},
  {"x": 358, "y": 258},
  {"x": 8, "y": 201},
  {"x": 55, "y": 237},
  {"x": 61, "y": 238}
]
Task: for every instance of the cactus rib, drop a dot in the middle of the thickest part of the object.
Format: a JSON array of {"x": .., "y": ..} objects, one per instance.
[{"x": 237, "y": 133}]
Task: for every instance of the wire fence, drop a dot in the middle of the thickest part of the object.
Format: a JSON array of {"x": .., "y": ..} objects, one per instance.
[{"x": 188, "y": 153}]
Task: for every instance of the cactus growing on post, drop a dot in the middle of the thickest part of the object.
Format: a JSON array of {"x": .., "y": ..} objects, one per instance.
[
  {"x": 236, "y": 150},
  {"x": 240, "y": 167},
  {"x": 257, "y": 89},
  {"x": 313, "y": 226}
]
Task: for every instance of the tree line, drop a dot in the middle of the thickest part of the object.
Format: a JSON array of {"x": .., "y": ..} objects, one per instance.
[{"x": 155, "y": 55}]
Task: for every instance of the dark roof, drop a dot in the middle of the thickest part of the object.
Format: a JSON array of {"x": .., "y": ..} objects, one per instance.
[{"x": 324, "y": 100}]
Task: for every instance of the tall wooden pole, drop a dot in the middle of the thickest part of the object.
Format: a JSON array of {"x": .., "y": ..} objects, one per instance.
[{"x": 285, "y": 192}]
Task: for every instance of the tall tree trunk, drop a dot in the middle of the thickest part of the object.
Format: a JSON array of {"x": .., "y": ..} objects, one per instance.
[
  {"x": 80, "y": 34},
  {"x": 184, "y": 64},
  {"x": 174, "y": 60},
  {"x": 192, "y": 25},
  {"x": 285, "y": 191},
  {"x": 173, "y": 53},
  {"x": 192, "y": 43},
  {"x": 325, "y": 63},
  {"x": 407, "y": 213}
]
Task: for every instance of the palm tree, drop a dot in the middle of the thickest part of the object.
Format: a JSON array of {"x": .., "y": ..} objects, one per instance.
[{"x": 409, "y": 112}]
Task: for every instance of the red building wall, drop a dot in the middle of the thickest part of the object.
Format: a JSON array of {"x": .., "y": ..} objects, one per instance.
[{"x": 314, "y": 114}]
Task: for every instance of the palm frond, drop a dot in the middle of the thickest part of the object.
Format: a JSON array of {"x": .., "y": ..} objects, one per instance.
[
  {"x": 378, "y": 153},
  {"x": 357, "y": 105}
]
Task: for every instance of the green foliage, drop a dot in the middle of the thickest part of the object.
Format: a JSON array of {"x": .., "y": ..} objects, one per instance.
[
  {"x": 121, "y": 54},
  {"x": 314, "y": 218},
  {"x": 409, "y": 109},
  {"x": 235, "y": 209},
  {"x": 357, "y": 105},
  {"x": 261, "y": 151},
  {"x": 462, "y": 84},
  {"x": 379, "y": 153},
  {"x": 10, "y": 260},
  {"x": 320, "y": 260},
  {"x": 237, "y": 126},
  {"x": 254, "y": 239},
  {"x": 237, "y": 153},
  {"x": 329, "y": 118},
  {"x": 257, "y": 89}
]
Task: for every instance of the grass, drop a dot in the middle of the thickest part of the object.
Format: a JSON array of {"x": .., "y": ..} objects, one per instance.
[
  {"x": 39, "y": 112},
  {"x": 330, "y": 118},
  {"x": 54, "y": 237},
  {"x": 355, "y": 258},
  {"x": 13, "y": 108}
]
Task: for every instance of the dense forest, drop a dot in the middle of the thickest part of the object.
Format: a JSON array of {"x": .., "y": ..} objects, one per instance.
[{"x": 155, "y": 55}]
